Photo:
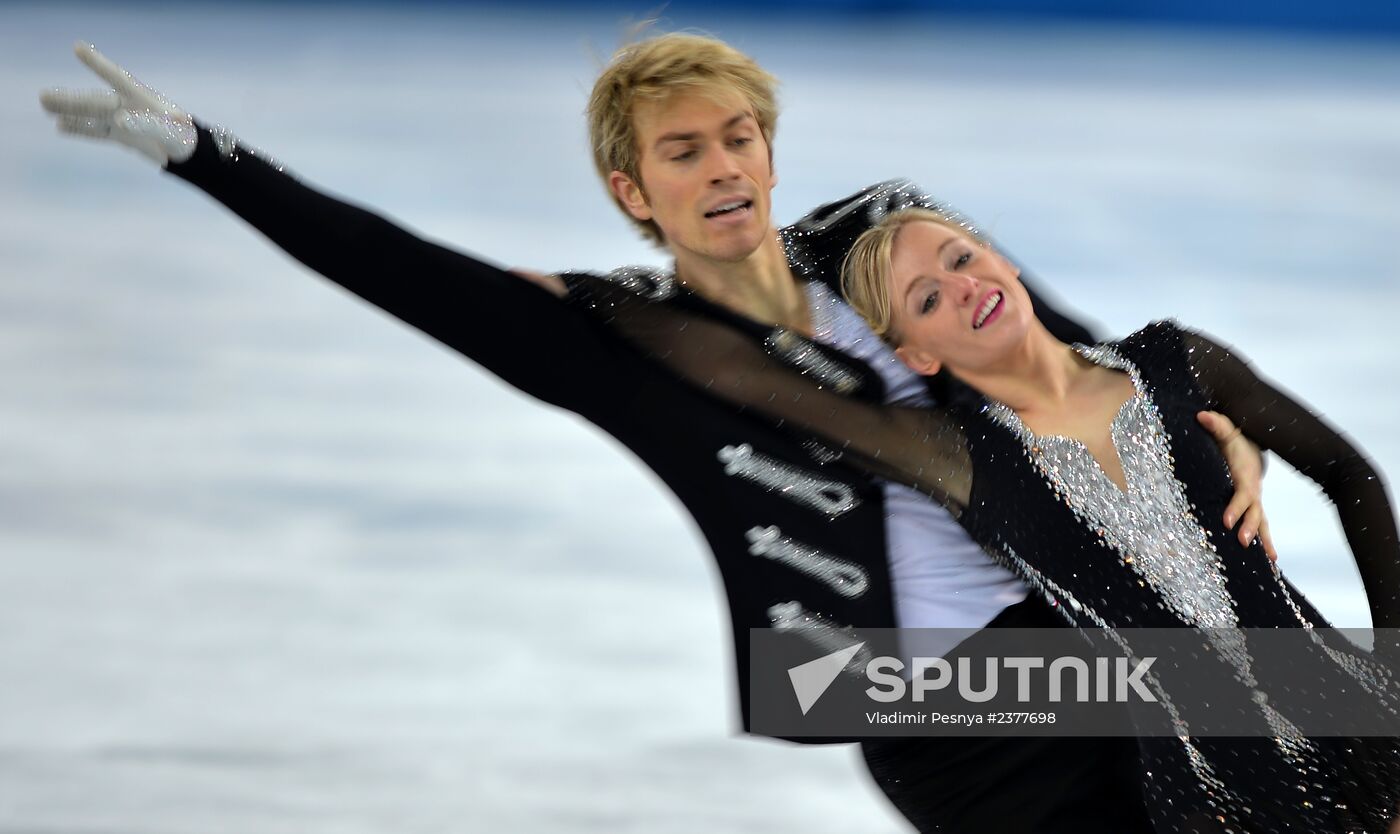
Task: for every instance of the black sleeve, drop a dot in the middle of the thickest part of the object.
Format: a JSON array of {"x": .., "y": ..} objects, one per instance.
[
  {"x": 1278, "y": 423},
  {"x": 513, "y": 328},
  {"x": 924, "y": 448}
]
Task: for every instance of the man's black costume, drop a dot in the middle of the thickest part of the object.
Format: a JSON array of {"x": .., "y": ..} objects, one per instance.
[{"x": 797, "y": 532}]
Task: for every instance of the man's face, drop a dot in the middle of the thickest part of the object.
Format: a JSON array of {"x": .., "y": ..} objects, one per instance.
[{"x": 705, "y": 176}]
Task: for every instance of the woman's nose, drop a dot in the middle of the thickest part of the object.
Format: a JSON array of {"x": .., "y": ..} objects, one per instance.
[{"x": 965, "y": 288}]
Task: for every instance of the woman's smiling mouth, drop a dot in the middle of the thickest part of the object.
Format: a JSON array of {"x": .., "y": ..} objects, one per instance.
[{"x": 989, "y": 310}]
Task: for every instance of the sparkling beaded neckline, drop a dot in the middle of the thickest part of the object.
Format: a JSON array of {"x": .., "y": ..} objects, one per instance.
[
  {"x": 1150, "y": 525},
  {"x": 1104, "y": 357}
]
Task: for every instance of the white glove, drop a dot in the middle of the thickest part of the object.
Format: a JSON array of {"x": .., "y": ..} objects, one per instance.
[{"x": 130, "y": 113}]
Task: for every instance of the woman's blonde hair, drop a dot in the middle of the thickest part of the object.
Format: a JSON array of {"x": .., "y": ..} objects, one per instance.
[
  {"x": 655, "y": 69},
  {"x": 866, "y": 272}
]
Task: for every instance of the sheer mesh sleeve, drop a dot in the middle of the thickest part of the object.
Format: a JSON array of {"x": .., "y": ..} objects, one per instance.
[
  {"x": 923, "y": 448},
  {"x": 1278, "y": 423}
]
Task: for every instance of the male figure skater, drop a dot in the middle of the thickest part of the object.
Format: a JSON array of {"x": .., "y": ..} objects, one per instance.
[{"x": 681, "y": 128}]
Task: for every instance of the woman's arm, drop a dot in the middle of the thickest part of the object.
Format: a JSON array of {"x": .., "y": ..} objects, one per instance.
[
  {"x": 1280, "y": 424},
  {"x": 923, "y": 448}
]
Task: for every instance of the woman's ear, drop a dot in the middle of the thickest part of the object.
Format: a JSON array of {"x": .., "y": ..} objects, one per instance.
[
  {"x": 918, "y": 360},
  {"x": 630, "y": 194}
]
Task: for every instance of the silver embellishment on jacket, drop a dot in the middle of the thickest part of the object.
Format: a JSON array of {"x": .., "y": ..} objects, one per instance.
[
  {"x": 833, "y": 498},
  {"x": 845, "y": 578},
  {"x": 645, "y": 281},
  {"x": 821, "y": 631},
  {"x": 230, "y": 148},
  {"x": 809, "y": 360},
  {"x": 820, "y": 452}
]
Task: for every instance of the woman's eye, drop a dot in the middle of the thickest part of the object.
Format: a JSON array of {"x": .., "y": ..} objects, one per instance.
[
  {"x": 682, "y": 157},
  {"x": 930, "y": 301},
  {"x": 741, "y": 141},
  {"x": 962, "y": 260}
]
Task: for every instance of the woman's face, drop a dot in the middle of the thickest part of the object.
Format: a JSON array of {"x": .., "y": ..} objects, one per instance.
[{"x": 957, "y": 304}]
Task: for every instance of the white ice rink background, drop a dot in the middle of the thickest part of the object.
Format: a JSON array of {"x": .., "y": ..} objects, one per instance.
[{"x": 272, "y": 562}]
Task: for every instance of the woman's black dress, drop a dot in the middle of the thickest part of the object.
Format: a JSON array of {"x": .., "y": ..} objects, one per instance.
[{"x": 1155, "y": 556}]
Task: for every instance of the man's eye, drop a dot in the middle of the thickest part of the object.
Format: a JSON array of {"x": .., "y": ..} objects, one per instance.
[
  {"x": 930, "y": 301},
  {"x": 683, "y": 156},
  {"x": 741, "y": 141}
]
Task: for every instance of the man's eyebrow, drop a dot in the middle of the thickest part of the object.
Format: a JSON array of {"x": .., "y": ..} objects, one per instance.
[
  {"x": 736, "y": 118},
  {"x": 693, "y": 134}
]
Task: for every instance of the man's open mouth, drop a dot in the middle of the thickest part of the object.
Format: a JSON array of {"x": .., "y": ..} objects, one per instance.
[{"x": 729, "y": 208}]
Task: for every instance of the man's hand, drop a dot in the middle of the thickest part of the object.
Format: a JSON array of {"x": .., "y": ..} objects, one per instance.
[
  {"x": 1246, "y": 464},
  {"x": 129, "y": 112}
]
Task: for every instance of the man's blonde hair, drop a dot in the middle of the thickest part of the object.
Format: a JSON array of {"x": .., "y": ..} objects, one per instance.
[
  {"x": 866, "y": 272},
  {"x": 655, "y": 69}
]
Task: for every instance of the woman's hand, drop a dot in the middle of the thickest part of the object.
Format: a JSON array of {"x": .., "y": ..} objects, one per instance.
[
  {"x": 1246, "y": 464},
  {"x": 129, "y": 112}
]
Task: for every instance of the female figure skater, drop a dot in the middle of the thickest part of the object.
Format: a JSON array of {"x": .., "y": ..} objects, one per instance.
[{"x": 1084, "y": 470}]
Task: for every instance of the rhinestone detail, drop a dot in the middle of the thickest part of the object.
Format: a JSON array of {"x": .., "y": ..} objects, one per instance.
[
  {"x": 833, "y": 498},
  {"x": 645, "y": 281},
  {"x": 231, "y": 148},
  {"x": 845, "y": 578},
  {"x": 1208, "y": 780},
  {"x": 1151, "y": 525},
  {"x": 810, "y": 361},
  {"x": 821, "y": 631},
  {"x": 1374, "y": 677}
]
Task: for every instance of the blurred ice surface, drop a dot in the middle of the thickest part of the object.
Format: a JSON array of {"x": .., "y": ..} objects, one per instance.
[{"x": 272, "y": 562}]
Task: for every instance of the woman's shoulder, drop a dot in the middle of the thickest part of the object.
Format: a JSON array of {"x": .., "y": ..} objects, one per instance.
[
  {"x": 1156, "y": 332},
  {"x": 1163, "y": 337}
]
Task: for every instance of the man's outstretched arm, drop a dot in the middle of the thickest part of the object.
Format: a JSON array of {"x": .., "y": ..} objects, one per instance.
[{"x": 514, "y": 325}]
